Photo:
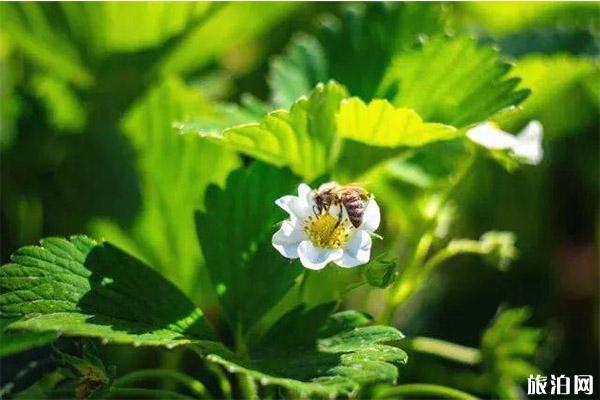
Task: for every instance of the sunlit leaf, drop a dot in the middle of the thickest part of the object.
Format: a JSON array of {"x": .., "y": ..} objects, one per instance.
[
  {"x": 106, "y": 26},
  {"x": 501, "y": 18},
  {"x": 376, "y": 133},
  {"x": 234, "y": 22},
  {"x": 235, "y": 231},
  {"x": 11, "y": 109},
  {"x": 175, "y": 171},
  {"x": 381, "y": 124},
  {"x": 63, "y": 108},
  {"x": 224, "y": 115},
  {"x": 303, "y": 138},
  {"x": 29, "y": 26},
  {"x": 452, "y": 81},
  {"x": 83, "y": 288}
]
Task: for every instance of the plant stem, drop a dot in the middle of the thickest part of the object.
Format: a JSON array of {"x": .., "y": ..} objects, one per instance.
[
  {"x": 224, "y": 384},
  {"x": 215, "y": 369},
  {"x": 454, "y": 248},
  {"x": 192, "y": 384},
  {"x": 353, "y": 286},
  {"x": 451, "y": 351},
  {"x": 139, "y": 393},
  {"x": 414, "y": 273},
  {"x": 302, "y": 285},
  {"x": 248, "y": 389},
  {"x": 240, "y": 341},
  {"x": 425, "y": 390}
]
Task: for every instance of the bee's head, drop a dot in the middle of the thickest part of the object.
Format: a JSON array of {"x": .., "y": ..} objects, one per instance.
[{"x": 324, "y": 196}]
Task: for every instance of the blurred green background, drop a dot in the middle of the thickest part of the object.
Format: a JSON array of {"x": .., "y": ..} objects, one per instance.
[{"x": 89, "y": 91}]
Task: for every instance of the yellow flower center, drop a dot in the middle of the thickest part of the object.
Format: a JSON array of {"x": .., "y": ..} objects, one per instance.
[{"x": 325, "y": 231}]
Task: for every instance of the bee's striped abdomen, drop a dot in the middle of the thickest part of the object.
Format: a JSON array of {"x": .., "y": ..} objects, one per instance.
[{"x": 355, "y": 207}]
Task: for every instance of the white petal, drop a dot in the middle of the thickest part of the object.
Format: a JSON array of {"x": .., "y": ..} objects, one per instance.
[
  {"x": 287, "y": 239},
  {"x": 371, "y": 216},
  {"x": 357, "y": 251},
  {"x": 315, "y": 258},
  {"x": 299, "y": 207},
  {"x": 489, "y": 136},
  {"x": 529, "y": 143},
  {"x": 304, "y": 191}
]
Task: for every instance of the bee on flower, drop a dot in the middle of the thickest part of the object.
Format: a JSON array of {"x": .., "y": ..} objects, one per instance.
[{"x": 334, "y": 223}]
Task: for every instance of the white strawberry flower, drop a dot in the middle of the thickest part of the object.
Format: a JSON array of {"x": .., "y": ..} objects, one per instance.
[
  {"x": 320, "y": 238},
  {"x": 526, "y": 146}
]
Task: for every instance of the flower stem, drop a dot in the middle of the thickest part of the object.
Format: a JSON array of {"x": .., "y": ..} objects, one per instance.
[
  {"x": 216, "y": 370},
  {"x": 248, "y": 387},
  {"x": 451, "y": 351},
  {"x": 424, "y": 390},
  {"x": 138, "y": 393},
  {"x": 302, "y": 286},
  {"x": 454, "y": 248},
  {"x": 241, "y": 347},
  {"x": 192, "y": 384},
  {"x": 353, "y": 286},
  {"x": 415, "y": 272}
]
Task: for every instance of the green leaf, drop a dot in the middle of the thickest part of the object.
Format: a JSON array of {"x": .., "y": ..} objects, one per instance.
[
  {"x": 354, "y": 49},
  {"x": 63, "y": 108},
  {"x": 295, "y": 73},
  {"x": 375, "y": 131},
  {"x": 235, "y": 231},
  {"x": 106, "y": 27},
  {"x": 79, "y": 287},
  {"x": 12, "y": 343},
  {"x": 29, "y": 27},
  {"x": 331, "y": 361},
  {"x": 234, "y": 22},
  {"x": 452, "y": 81},
  {"x": 381, "y": 124},
  {"x": 284, "y": 334},
  {"x": 174, "y": 172},
  {"x": 559, "y": 99},
  {"x": 505, "y": 18},
  {"x": 223, "y": 116},
  {"x": 303, "y": 138},
  {"x": 508, "y": 347}
]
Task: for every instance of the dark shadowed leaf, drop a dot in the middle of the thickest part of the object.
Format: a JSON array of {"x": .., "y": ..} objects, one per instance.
[
  {"x": 354, "y": 49},
  {"x": 16, "y": 342},
  {"x": 235, "y": 231},
  {"x": 79, "y": 287},
  {"x": 331, "y": 361}
]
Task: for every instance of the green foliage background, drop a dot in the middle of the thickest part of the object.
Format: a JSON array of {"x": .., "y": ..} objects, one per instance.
[{"x": 126, "y": 122}]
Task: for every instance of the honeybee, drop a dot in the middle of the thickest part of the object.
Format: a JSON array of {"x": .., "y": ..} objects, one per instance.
[{"x": 352, "y": 197}]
